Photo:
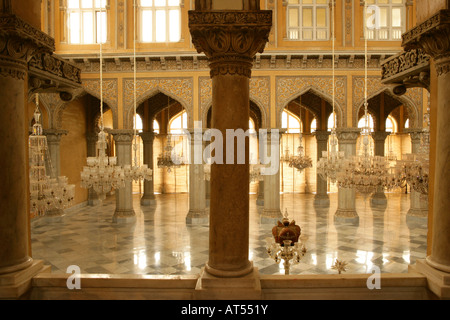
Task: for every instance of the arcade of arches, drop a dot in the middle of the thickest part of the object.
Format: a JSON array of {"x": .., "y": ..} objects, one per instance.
[{"x": 162, "y": 227}]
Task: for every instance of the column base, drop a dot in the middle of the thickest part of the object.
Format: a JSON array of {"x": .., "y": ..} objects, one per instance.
[
  {"x": 379, "y": 198},
  {"x": 148, "y": 200},
  {"x": 269, "y": 216},
  {"x": 16, "y": 284},
  {"x": 94, "y": 202},
  {"x": 246, "y": 287},
  {"x": 321, "y": 200},
  {"x": 346, "y": 216},
  {"x": 124, "y": 216},
  {"x": 438, "y": 281},
  {"x": 197, "y": 217},
  {"x": 260, "y": 202},
  {"x": 417, "y": 213},
  {"x": 54, "y": 213}
]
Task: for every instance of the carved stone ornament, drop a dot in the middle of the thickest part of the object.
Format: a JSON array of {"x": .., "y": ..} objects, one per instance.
[
  {"x": 433, "y": 36},
  {"x": 230, "y": 39},
  {"x": 348, "y": 135}
]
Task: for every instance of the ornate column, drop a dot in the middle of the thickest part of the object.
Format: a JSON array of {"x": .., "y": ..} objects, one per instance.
[
  {"x": 419, "y": 205},
  {"x": 379, "y": 138},
  {"x": 148, "y": 198},
  {"x": 197, "y": 198},
  {"x": 346, "y": 211},
  {"x": 230, "y": 38},
  {"x": 124, "y": 212},
  {"x": 91, "y": 139},
  {"x": 53, "y": 142},
  {"x": 433, "y": 36},
  {"x": 18, "y": 42},
  {"x": 321, "y": 198},
  {"x": 272, "y": 212}
]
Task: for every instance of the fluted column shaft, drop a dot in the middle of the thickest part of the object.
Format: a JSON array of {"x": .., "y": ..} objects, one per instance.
[
  {"x": 230, "y": 40},
  {"x": 148, "y": 198},
  {"x": 124, "y": 196},
  {"x": 321, "y": 197}
]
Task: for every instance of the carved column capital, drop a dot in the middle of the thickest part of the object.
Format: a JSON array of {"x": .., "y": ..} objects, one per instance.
[
  {"x": 322, "y": 135},
  {"x": 230, "y": 39},
  {"x": 380, "y": 136},
  {"x": 147, "y": 136},
  {"x": 348, "y": 135},
  {"x": 54, "y": 135},
  {"x": 415, "y": 134},
  {"x": 433, "y": 36},
  {"x": 122, "y": 136}
]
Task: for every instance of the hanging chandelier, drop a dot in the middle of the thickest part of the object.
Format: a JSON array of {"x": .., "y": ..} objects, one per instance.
[
  {"x": 364, "y": 172},
  {"x": 136, "y": 172},
  {"x": 102, "y": 173},
  {"x": 300, "y": 161},
  {"x": 414, "y": 168},
  {"x": 166, "y": 158},
  {"x": 331, "y": 161},
  {"x": 45, "y": 193}
]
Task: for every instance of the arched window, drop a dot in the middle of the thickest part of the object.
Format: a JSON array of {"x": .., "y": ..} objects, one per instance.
[
  {"x": 307, "y": 20},
  {"x": 138, "y": 123},
  {"x": 155, "y": 127},
  {"x": 362, "y": 122},
  {"x": 290, "y": 122},
  {"x": 159, "y": 20},
  {"x": 87, "y": 21},
  {"x": 385, "y": 19},
  {"x": 178, "y": 123},
  {"x": 407, "y": 124},
  {"x": 391, "y": 125},
  {"x": 314, "y": 125},
  {"x": 331, "y": 119}
]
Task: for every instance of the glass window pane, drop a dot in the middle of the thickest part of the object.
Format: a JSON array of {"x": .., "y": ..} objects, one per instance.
[
  {"x": 88, "y": 27},
  {"x": 100, "y": 3},
  {"x": 102, "y": 27},
  {"x": 86, "y": 4},
  {"x": 383, "y": 17},
  {"x": 174, "y": 3},
  {"x": 307, "y": 34},
  {"x": 73, "y": 4},
  {"x": 74, "y": 27},
  {"x": 160, "y": 25},
  {"x": 176, "y": 123},
  {"x": 370, "y": 1},
  {"x": 174, "y": 25},
  {"x": 293, "y": 123},
  {"x": 396, "y": 17},
  {"x": 160, "y": 3},
  {"x": 321, "y": 17},
  {"x": 307, "y": 17},
  {"x": 397, "y": 1},
  {"x": 383, "y": 1},
  {"x": 284, "y": 116},
  {"x": 155, "y": 126},
  {"x": 147, "y": 33},
  {"x": 146, "y": 3},
  {"x": 293, "y": 17},
  {"x": 307, "y": 1},
  {"x": 293, "y": 1},
  {"x": 184, "y": 115},
  {"x": 322, "y": 1}
]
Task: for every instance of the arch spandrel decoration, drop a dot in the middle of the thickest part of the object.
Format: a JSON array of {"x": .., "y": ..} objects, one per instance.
[
  {"x": 412, "y": 99},
  {"x": 259, "y": 94},
  {"x": 110, "y": 94},
  {"x": 52, "y": 104},
  {"x": 289, "y": 88},
  {"x": 180, "y": 89}
]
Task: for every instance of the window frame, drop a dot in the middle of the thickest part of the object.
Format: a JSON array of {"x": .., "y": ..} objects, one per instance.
[
  {"x": 95, "y": 25},
  {"x": 376, "y": 33},
  {"x": 314, "y": 28},
  {"x": 153, "y": 8}
]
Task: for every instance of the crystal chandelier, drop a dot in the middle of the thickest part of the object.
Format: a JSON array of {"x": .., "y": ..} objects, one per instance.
[
  {"x": 300, "y": 161},
  {"x": 414, "y": 168},
  {"x": 102, "y": 173},
  {"x": 136, "y": 172},
  {"x": 331, "y": 161},
  {"x": 285, "y": 244},
  {"x": 45, "y": 193},
  {"x": 365, "y": 172}
]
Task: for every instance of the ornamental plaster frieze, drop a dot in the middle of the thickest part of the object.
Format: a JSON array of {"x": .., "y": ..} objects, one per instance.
[
  {"x": 290, "y": 88},
  {"x": 259, "y": 94},
  {"x": 412, "y": 99},
  {"x": 180, "y": 89}
]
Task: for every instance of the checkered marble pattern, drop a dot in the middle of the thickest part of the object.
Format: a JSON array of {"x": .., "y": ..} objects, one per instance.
[{"x": 161, "y": 243}]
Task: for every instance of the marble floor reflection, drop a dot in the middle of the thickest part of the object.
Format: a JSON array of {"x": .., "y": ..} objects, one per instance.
[{"x": 160, "y": 242}]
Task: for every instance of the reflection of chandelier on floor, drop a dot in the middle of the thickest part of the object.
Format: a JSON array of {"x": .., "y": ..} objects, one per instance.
[
  {"x": 45, "y": 193},
  {"x": 101, "y": 173}
]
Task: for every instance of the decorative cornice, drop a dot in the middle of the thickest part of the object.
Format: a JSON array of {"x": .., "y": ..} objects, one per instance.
[
  {"x": 230, "y": 39},
  {"x": 433, "y": 36},
  {"x": 404, "y": 66}
]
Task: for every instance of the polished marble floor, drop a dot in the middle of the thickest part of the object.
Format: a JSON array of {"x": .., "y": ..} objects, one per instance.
[{"x": 160, "y": 242}]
